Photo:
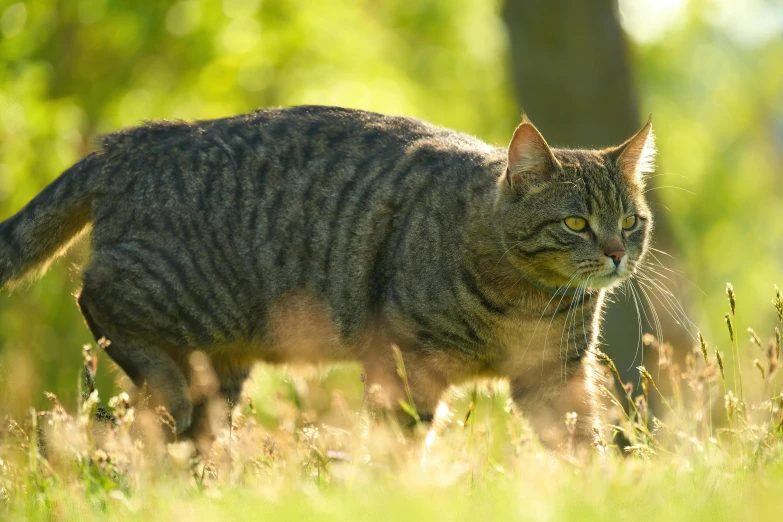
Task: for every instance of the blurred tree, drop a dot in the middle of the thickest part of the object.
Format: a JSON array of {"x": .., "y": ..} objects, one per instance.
[{"x": 574, "y": 80}]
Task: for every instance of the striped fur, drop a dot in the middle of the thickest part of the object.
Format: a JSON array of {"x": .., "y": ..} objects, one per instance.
[{"x": 320, "y": 234}]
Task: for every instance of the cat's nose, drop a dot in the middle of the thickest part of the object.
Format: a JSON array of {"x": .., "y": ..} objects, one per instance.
[{"x": 617, "y": 256}]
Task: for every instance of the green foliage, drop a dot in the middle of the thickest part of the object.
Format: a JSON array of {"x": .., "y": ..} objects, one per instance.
[{"x": 715, "y": 99}]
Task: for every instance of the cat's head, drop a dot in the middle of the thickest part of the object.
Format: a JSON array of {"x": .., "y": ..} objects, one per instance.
[{"x": 575, "y": 217}]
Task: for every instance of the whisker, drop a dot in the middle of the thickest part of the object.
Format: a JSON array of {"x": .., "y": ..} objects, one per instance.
[
  {"x": 580, "y": 300},
  {"x": 673, "y": 271},
  {"x": 581, "y": 288},
  {"x": 667, "y": 174},
  {"x": 584, "y": 332},
  {"x": 672, "y": 305},
  {"x": 639, "y": 324},
  {"x": 660, "y": 205},
  {"x": 546, "y": 337},
  {"x": 580, "y": 303},
  {"x": 546, "y": 307},
  {"x": 670, "y": 186},
  {"x": 653, "y": 283},
  {"x": 660, "y": 264},
  {"x": 622, "y": 288},
  {"x": 664, "y": 290},
  {"x": 655, "y": 271},
  {"x": 560, "y": 346},
  {"x": 661, "y": 252},
  {"x": 654, "y": 313},
  {"x": 516, "y": 244}
]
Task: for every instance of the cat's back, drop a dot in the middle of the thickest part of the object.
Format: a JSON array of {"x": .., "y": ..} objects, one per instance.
[
  {"x": 309, "y": 128},
  {"x": 303, "y": 173}
]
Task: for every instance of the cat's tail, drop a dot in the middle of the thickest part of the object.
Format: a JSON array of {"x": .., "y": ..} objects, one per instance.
[{"x": 47, "y": 226}]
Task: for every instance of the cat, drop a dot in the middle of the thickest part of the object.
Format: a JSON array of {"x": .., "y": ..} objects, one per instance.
[{"x": 315, "y": 233}]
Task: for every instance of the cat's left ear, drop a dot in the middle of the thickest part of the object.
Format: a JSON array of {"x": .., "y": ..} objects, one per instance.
[
  {"x": 636, "y": 157},
  {"x": 530, "y": 160}
]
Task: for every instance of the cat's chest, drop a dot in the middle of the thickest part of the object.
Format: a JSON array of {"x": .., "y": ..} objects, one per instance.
[{"x": 534, "y": 341}]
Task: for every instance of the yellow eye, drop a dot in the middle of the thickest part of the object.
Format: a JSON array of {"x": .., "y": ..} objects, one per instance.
[
  {"x": 629, "y": 222},
  {"x": 576, "y": 223}
]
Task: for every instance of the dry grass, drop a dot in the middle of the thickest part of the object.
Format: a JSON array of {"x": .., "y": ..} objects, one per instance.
[{"x": 302, "y": 445}]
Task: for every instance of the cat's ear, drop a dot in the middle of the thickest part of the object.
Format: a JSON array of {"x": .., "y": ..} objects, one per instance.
[
  {"x": 529, "y": 156},
  {"x": 636, "y": 157}
]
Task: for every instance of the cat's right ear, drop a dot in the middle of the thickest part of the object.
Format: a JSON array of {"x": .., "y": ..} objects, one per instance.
[{"x": 530, "y": 160}]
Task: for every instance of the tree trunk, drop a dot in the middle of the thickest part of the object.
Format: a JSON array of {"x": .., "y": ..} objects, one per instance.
[{"x": 573, "y": 79}]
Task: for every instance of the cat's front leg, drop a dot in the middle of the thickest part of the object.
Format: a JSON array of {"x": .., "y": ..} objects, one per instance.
[
  {"x": 549, "y": 402},
  {"x": 385, "y": 389}
]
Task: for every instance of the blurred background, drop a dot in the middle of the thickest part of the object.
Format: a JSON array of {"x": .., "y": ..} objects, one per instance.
[{"x": 587, "y": 74}]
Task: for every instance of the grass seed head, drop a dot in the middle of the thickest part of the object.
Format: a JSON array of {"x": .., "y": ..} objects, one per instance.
[
  {"x": 754, "y": 338},
  {"x": 732, "y": 297},
  {"x": 165, "y": 419},
  {"x": 601, "y": 356},
  {"x": 90, "y": 367},
  {"x": 665, "y": 356},
  {"x": 646, "y": 375},
  {"x": 641, "y": 404},
  {"x": 121, "y": 404},
  {"x": 570, "y": 422},
  {"x": 703, "y": 346},
  {"x": 103, "y": 343},
  {"x": 649, "y": 340},
  {"x": 89, "y": 404},
  {"x": 719, "y": 357},
  {"x": 773, "y": 361},
  {"x": 777, "y": 343},
  {"x": 731, "y": 329},
  {"x": 778, "y": 303},
  {"x": 731, "y": 403},
  {"x": 758, "y": 365}
]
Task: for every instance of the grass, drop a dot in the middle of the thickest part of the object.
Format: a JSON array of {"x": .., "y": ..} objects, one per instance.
[{"x": 302, "y": 446}]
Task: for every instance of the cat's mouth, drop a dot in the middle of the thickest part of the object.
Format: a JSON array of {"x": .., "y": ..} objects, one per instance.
[
  {"x": 594, "y": 276},
  {"x": 601, "y": 282},
  {"x": 607, "y": 278}
]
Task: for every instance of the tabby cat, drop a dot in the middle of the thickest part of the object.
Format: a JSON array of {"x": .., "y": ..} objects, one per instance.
[{"x": 326, "y": 234}]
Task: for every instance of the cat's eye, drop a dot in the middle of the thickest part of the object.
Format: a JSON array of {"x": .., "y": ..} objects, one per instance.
[
  {"x": 629, "y": 222},
  {"x": 575, "y": 223}
]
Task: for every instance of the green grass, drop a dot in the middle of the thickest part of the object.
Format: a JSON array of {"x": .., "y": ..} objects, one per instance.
[{"x": 300, "y": 446}]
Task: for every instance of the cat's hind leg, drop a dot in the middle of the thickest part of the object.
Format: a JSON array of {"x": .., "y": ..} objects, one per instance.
[{"x": 143, "y": 362}]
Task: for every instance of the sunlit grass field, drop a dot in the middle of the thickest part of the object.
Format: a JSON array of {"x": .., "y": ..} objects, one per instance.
[{"x": 303, "y": 445}]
